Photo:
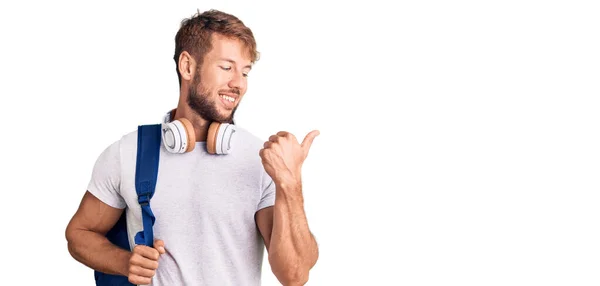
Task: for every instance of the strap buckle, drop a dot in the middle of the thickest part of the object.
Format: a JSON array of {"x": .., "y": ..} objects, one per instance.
[{"x": 144, "y": 199}]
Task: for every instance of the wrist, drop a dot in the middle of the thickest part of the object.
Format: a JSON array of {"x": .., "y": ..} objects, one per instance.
[
  {"x": 290, "y": 191},
  {"x": 289, "y": 186},
  {"x": 125, "y": 257}
]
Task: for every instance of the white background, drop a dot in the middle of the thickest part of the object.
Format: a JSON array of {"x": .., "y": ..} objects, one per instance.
[{"x": 459, "y": 139}]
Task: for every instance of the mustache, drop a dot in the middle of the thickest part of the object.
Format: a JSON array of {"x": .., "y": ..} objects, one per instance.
[{"x": 235, "y": 91}]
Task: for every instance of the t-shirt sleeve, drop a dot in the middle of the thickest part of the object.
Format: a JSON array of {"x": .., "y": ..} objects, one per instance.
[
  {"x": 106, "y": 177},
  {"x": 268, "y": 192}
]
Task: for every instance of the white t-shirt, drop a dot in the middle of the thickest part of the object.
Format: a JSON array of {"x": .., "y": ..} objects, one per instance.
[{"x": 204, "y": 206}]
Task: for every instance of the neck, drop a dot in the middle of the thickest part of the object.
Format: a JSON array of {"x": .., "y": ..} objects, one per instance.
[{"x": 200, "y": 124}]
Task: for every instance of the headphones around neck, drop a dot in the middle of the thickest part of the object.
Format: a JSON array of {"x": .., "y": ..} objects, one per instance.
[{"x": 178, "y": 136}]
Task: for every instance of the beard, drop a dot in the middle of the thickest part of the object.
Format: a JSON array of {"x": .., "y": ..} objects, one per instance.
[{"x": 199, "y": 101}]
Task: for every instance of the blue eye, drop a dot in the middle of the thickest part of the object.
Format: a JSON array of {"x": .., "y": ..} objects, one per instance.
[{"x": 226, "y": 68}]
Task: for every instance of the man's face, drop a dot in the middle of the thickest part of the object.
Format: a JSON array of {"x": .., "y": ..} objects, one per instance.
[{"x": 221, "y": 81}]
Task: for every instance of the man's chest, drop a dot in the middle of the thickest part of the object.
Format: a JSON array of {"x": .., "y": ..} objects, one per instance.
[{"x": 209, "y": 192}]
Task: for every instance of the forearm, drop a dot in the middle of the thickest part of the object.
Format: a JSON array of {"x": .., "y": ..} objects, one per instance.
[
  {"x": 97, "y": 252},
  {"x": 293, "y": 250}
]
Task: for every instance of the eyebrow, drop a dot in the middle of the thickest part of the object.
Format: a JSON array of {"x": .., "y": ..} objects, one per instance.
[{"x": 233, "y": 62}]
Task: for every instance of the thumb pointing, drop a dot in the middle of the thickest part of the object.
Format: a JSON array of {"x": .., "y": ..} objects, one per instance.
[{"x": 308, "y": 140}]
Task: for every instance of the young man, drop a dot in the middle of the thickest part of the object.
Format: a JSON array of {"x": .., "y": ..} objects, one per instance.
[{"x": 213, "y": 212}]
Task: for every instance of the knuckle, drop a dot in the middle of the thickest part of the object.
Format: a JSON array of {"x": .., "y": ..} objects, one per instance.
[
  {"x": 138, "y": 249},
  {"x": 135, "y": 279},
  {"x": 155, "y": 254}
]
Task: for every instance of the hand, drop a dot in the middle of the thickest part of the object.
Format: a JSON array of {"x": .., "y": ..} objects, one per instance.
[
  {"x": 144, "y": 262},
  {"x": 282, "y": 156}
]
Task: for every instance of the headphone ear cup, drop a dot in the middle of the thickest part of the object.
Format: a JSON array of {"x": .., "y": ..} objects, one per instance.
[
  {"x": 178, "y": 136},
  {"x": 211, "y": 138},
  {"x": 219, "y": 138},
  {"x": 223, "y": 140},
  {"x": 171, "y": 137},
  {"x": 190, "y": 134}
]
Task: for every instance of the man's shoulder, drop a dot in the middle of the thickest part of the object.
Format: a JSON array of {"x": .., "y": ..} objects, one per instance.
[
  {"x": 124, "y": 142},
  {"x": 128, "y": 139},
  {"x": 249, "y": 141}
]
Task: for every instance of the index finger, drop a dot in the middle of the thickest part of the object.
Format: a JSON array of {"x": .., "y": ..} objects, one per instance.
[{"x": 147, "y": 252}]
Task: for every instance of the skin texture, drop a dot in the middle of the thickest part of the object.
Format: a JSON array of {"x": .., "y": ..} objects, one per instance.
[
  {"x": 291, "y": 246},
  {"x": 224, "y": 71}
]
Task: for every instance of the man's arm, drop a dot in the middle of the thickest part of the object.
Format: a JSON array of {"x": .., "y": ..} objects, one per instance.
[
  {"x": 86, "y": 238},
  {"x": 291, "y": 247}
]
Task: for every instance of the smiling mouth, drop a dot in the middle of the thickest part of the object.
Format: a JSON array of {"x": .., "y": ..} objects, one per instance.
[
  {"x": 227, "y": 101},
  {"x": 228, "y": 98}
]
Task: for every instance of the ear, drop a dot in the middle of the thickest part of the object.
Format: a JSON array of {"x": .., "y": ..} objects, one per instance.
[{"x": 187, "y": 66}]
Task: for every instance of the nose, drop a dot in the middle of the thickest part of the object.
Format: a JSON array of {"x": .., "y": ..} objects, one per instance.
[{"x": 237, "y": 81}]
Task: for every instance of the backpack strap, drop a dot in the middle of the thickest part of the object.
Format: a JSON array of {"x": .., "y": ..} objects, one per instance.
[{"x": 146, "y": 172}]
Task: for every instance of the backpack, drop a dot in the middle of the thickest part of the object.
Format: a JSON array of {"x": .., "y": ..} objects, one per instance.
[{"x": 146, "y": 172}]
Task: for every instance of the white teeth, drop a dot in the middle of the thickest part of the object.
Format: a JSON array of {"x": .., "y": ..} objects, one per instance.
[{"x": 231, "y": 99}]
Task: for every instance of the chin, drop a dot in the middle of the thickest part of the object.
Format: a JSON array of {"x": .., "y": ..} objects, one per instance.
[{"x": 226, "y": 116}]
